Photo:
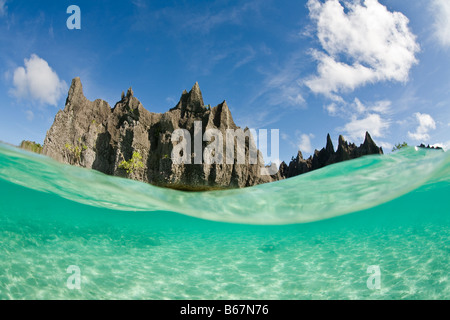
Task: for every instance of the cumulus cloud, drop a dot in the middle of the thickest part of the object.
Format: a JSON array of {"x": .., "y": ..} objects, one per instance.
[
  {"x": 301, "y": 141},
  {"x": 305, "y": 143},
  {"x": 372, "y": 117},
  {"x": 363, "y": 43},
  {"x": 441, "y": 11},
  {"x": 332, "y": 109},
  {"x": 373, "y": 123},
  {"x": 426, "y": 123},
  {"x": 381, "y": 107},
  {"x": 38, "y": 82}
]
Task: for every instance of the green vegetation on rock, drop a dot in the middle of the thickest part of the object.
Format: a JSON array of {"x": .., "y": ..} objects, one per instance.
[
  {"x": 31, "y": 146},
  {"x": 398, "y": 146},
  {"x": 75, "y": 151},
  {"x": 134, "y": 164}
]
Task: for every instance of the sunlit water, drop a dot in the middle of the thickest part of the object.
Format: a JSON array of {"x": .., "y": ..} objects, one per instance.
[{"x": 308, "y": 237}]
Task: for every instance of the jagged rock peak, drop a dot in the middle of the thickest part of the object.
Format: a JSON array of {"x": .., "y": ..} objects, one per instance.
[
  {"x": 329, "y": 147},
  {"x": 76, "y": 88},
  {"x": 75, "y": 97},
  {"x": 430, "y": 147},
  {"x": 130, "y": 93},
  {"x": 195, "y": 99},
  {"x": 222, "y": 117},
  {"x": 327, "y": 156},
  {"x": 224, "y": 106},
  {"x": 370, "y": 146},
  {"x": 196, "y": 87},
  {"x": 341, "y": 141},
  {"x": 76, "y": 84},
  {"x": 368, "y": 139},
  {"x": 191, "y": 101}
]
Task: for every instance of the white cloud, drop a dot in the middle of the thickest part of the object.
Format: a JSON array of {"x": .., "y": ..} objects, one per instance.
[
  {"x": 248, "y": 55},
  {"x": 386, "y": 145},
  {"x": 358, "y": 106},
  {"x": 291, "y": 96},
  {"x": 426, "y": 123},
  {"x": 208, "y": 19},
  {"x": 282, "y": 87},
  {"x": 3, "y": 8},
  {"x": 346, "y": 109},
  {"x": 363, "y": 43},
  {"x": 305, "y": 143},
  {"x": 381, "y": 107},
  {"x": 372, "y": 122},
  {"x": 300, "y": 141},
  {"x": 331, "y": 109},
  {"x": 30, "y": 115},
  {"x": 38, "y": 82},
  {"x": 371, "y": 117},
  {"x": 441, "y": 11}
]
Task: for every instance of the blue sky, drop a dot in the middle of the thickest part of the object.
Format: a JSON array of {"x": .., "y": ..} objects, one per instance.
[{"x": 307, "y": 68}]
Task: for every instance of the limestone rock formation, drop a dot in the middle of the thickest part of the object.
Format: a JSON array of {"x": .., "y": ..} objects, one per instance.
[
  {"x": 91, "y": 134},
  {"x": 31, "y": 146},
  {"x": 327, "y": 156},
  {"x": 130, "y": 141},
  {"x": 429, "y": 147}
]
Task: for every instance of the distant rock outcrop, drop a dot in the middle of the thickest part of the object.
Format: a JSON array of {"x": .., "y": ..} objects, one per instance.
[
  {"x": 327, "y": 156},
  {"x": 31, "y": 146},
  {"x": 92, "y": 135},
  {"x": 429, "y": 147}
]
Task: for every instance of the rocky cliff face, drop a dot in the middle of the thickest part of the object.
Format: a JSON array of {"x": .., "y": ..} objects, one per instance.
[
  {"x": 92, "y": 135},
  {"x": 327, "y": 156}
]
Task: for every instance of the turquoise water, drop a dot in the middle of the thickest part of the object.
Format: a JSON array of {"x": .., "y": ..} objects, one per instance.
[{"x": 308, "y": 237}]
